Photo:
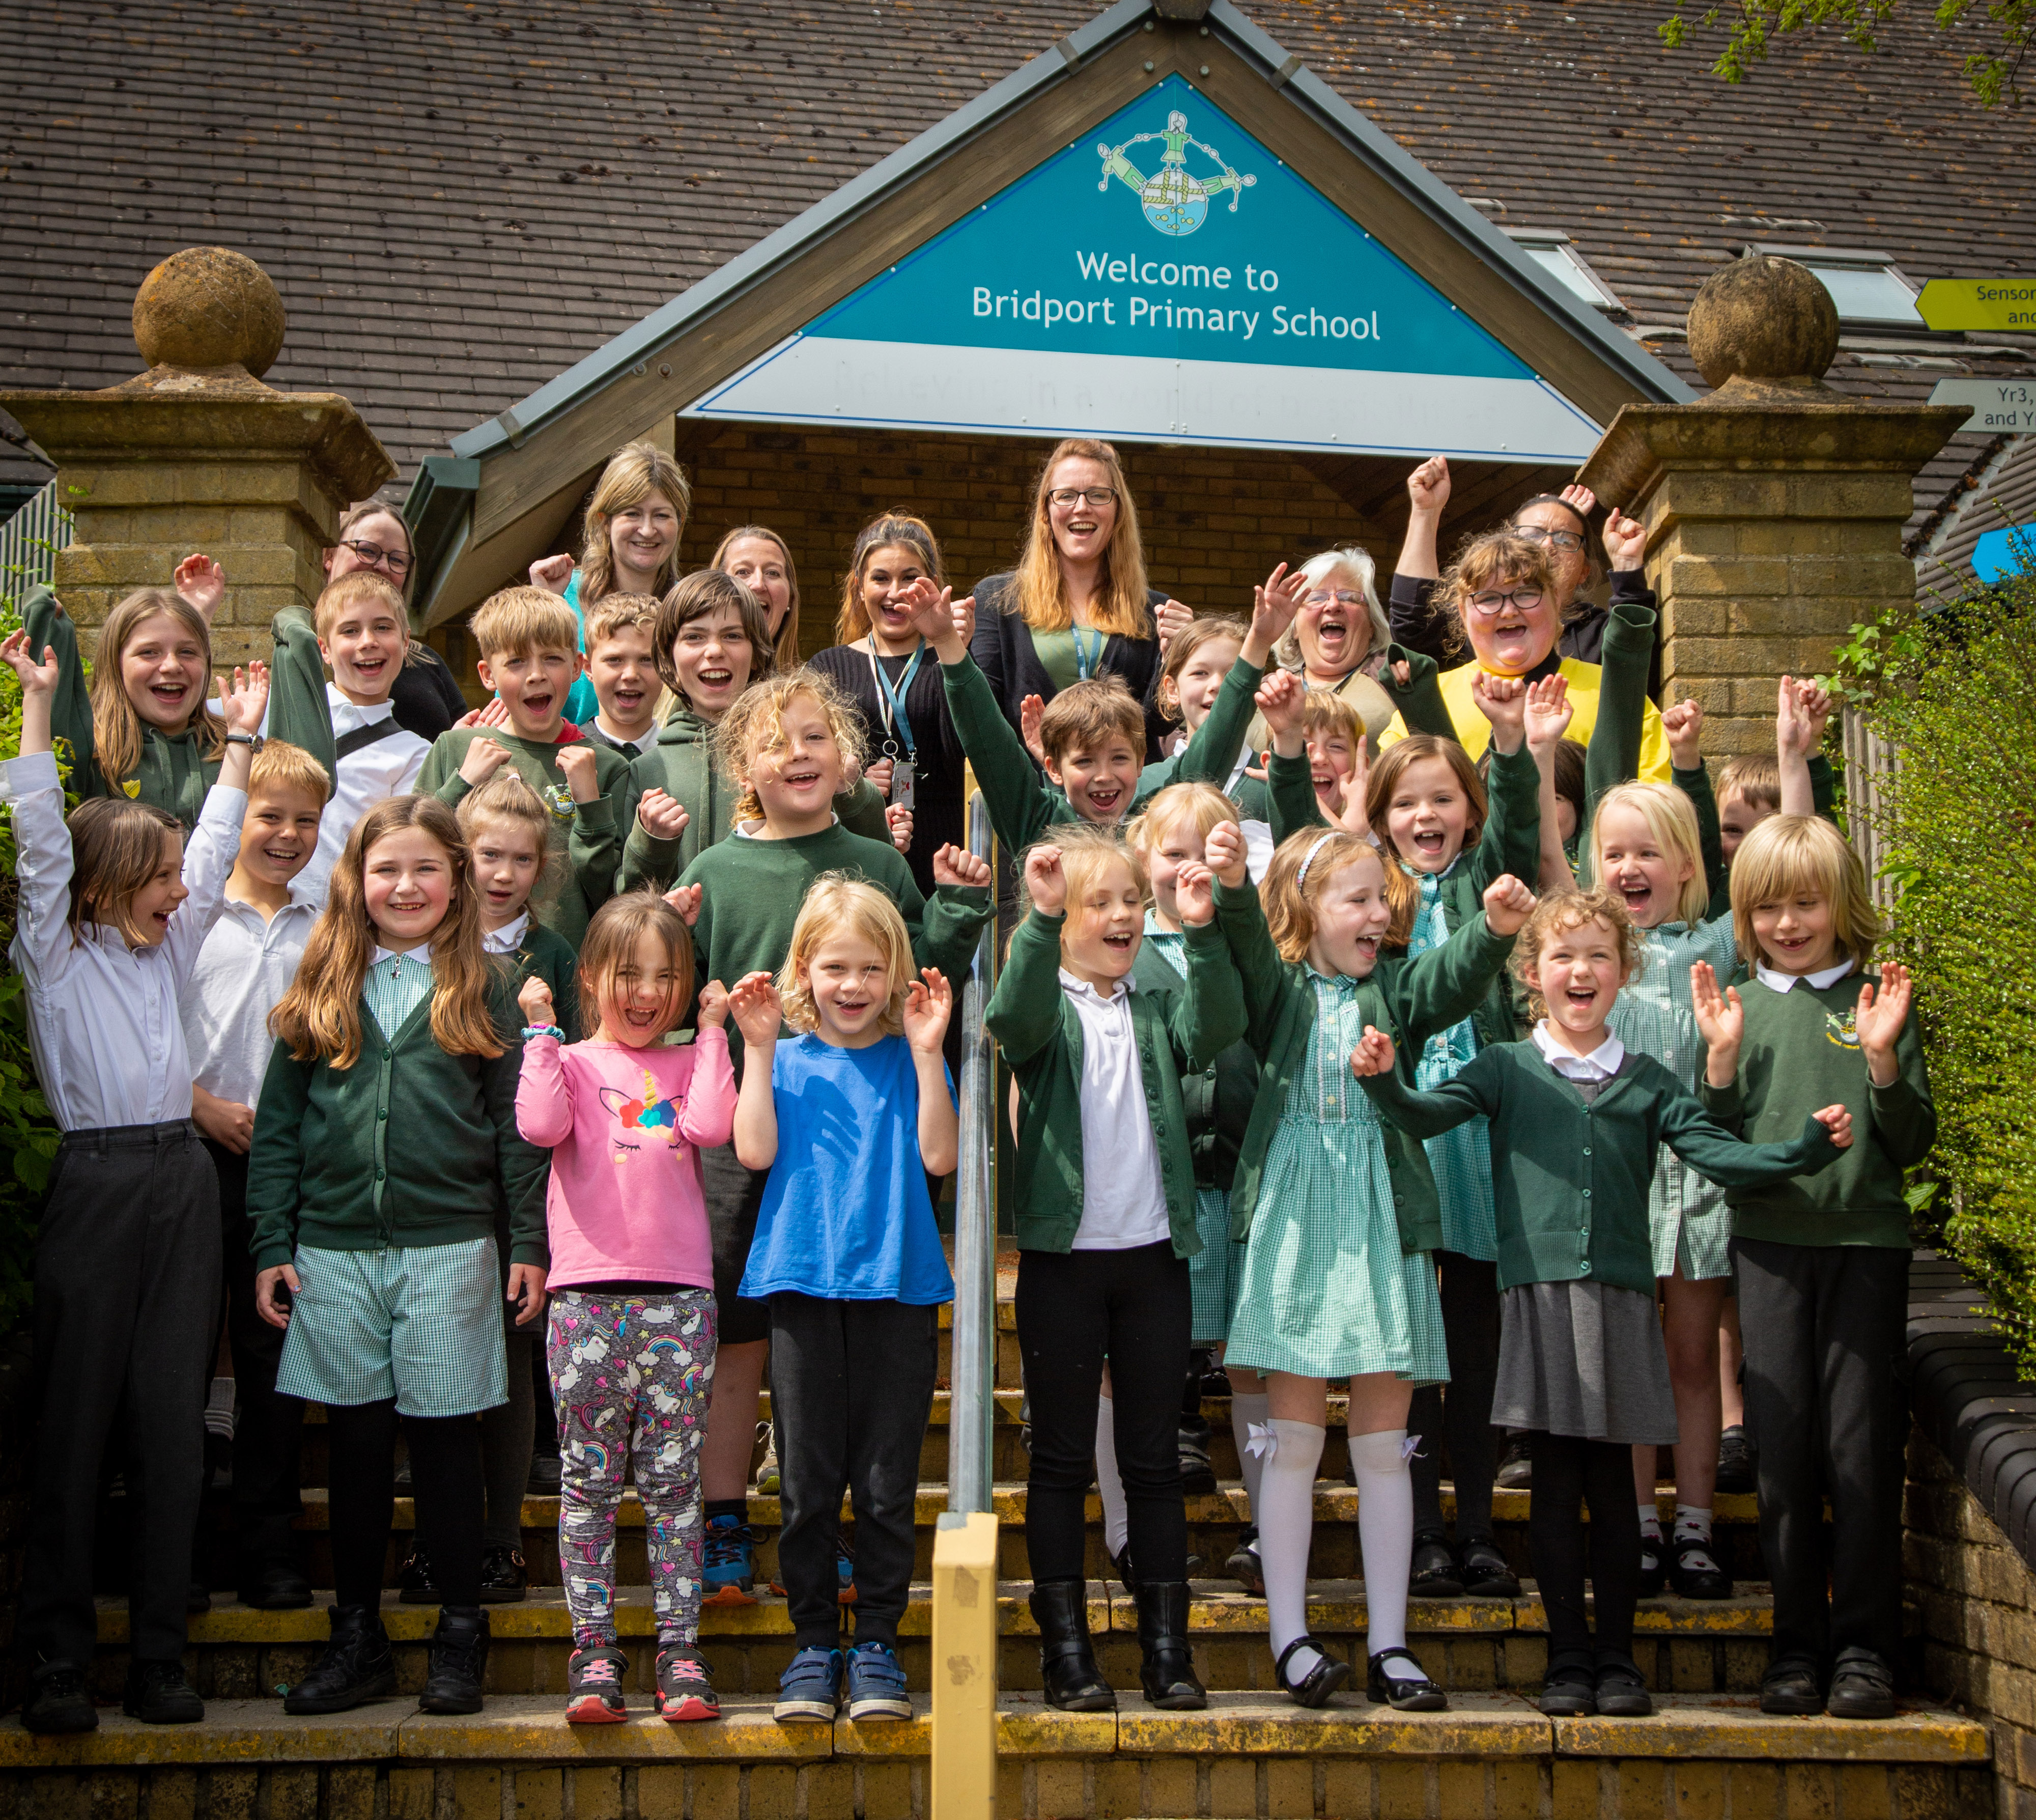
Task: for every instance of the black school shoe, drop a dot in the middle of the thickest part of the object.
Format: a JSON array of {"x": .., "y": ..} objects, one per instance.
[
  {"x": 1436, "y": 1572},
  {"x": 271, "y": 1585},
  {"x": 1737, "y": 1460},
  {"x": 1621, "y": 1691},
  {"x": 1694, "y": 1569},
  {"x": 1654, "y": 1566},
  {"x": 1571, "y": 1689},
  {"x": 1515, "y": 1465},
  {"x": 414, "y": 1576},
  {"x": 1314, "y": 1688},
  {"x": 504, "y": 1577},
  {"x": 1487, "y": 1573},
  {"x": 59, "y": 1700},
  {"x": 160, "y": 1693},
  {"x": 1197, "y": 1476},
  {"x": 459, "y": 1661},
  {"x": 357, "y": 1665},
  {"x": 1395, "y": 1679},
  {"x": 1790, "y": 1688},
  {"x": 1862, "y": 1686}
]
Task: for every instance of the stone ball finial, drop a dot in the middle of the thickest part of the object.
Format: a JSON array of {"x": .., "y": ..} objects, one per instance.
[
  {"x": 1766, "y": 319},
  {"x": 209, "y": 308}
]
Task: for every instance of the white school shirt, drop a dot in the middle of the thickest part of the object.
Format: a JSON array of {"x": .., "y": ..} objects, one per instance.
[
  {"x": 504, "y": 940},
  {"x": 242, "y": 970},
  {"x": 388, "y": 767},
  {"x": 1123, "y": 1199},
  {"x": 1818, "y": 980},
  {"x": 1600, "y": 1064},
  {"x": 103, "y": 1021}
]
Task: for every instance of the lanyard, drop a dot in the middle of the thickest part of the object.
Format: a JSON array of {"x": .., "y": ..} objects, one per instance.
[
  {"x": 891, "y": 699},
  {"x": 1086, "y": 657}
]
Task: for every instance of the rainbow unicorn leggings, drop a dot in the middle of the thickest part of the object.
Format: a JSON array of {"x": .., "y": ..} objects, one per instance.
[{"x": 631, "y": 1377}]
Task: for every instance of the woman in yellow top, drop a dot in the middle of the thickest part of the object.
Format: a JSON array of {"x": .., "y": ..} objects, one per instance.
[{"x": 1513, "y": 624}]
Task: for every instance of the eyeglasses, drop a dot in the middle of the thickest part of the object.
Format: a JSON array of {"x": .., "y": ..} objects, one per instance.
[
  {"x": 375, "y": 555},
  {"x": 1066, "y": 495},
  {"x": 1491, "y": 604},
  {"x": 1324, "y": 596},
  {"x": 1541, "y": 534}
]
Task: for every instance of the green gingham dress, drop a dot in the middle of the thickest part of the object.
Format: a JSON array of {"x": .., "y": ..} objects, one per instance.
[
  {"x": 1326, "y": 1292},
  {"x": 1460, "y": 1158},
  {"x": 1688, "y": 1220},
  {"x": 1213, "y": 1274}
]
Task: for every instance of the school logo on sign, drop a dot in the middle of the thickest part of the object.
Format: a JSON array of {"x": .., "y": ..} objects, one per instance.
[{"x": 1175, "y": 201}]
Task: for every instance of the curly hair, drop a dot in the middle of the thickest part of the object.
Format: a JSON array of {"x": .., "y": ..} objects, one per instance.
[
  {"x": 755, "y": 723},
  {"x": 1562, "y": 910}
]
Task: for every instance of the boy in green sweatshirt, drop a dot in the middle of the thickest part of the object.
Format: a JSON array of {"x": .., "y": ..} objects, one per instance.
[{"x": 1821, "y": 1262}]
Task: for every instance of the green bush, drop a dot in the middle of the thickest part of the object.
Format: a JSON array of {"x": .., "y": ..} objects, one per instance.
[{"x": 1954, "y": 690}]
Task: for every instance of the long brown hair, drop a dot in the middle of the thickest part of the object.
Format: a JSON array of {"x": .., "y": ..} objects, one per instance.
[
  {"x": 609, "y": 945},
  {"x": 116, "y": 846},
  {"x": 786, "y": 652},
  {"x": 1394, "y": 763},
  {"x": 634, "y": 472},
  {"x": 899, "y": 529},
  {"x": 116, "y": 728},
  {"x": 319, "y": 1016},
  {"x": 1120, "y": 606}
]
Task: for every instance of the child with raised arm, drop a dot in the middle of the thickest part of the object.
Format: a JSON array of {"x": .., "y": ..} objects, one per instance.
[
  {"x": 630, "y": 1342},
  {"x": 1821, "y": 1262},
  {"x": 1577, "y": 1120},
  {"x": 112, "y": 910},
  {"x": 850, "y": 1117}
]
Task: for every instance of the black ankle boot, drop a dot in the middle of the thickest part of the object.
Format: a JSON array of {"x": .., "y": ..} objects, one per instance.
[
  {"x": 357, "y": 1665},
  {"x": 459, "y": 1661},
  {"x": 1166, "y": 1669},
  {"x": 1067, "y": 1660}
]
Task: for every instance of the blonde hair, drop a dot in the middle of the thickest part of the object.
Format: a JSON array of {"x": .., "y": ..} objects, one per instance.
[
  {"x": 1561, "y": 910},
  {"x": 1202, "y": 804},
  {"x": 1315, "y": 571},
  {"x": 1042, "y": 600},
  {"x": 620, "y": 613},
  {"x": 755, "y": 723},
  {"x": 835, "y": 902},
  {"x": 116, "y": 727},
  {"x": 279, "y": 765},
  {"x": 358, "y": 584},
  {"x": 896, "y": 529},
  {"x": 1754, "y": 778},
  {"x": 694, "y": 597},
  {"x": 1671, "y": 820},
  {"x": 1324, "y": 711},
  {"x": 1086, "y": 852},
  {"x": 116, "y": 846},
  {"x": 1495, "y": 556},
  {"x": 610, "y": 943},
  {"x": 505, "y": 797},
  {"x": 1783, "y": 855},
  {"x": 319, "y": 1016},
  {"x": 1086, "y": 713},
  {"x": 1393, "y": 764},
  {"x": 634, "y": 472},
  {"x": 521, "y": 621},
  {"x": 786, "y": 652},
  {"x": 1303, "y": 865},
  {"x": 1205, "y": 628}
]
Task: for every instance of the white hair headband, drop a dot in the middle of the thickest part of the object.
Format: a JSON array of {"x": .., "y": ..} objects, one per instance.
[{"x": 1301, "y": 877}]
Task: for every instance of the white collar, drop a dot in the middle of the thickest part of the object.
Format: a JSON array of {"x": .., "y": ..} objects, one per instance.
[
  {"x": 1074, "y": 984},
  {"x": 1600, "y": 1064},
  {"x": 298, "y": 899},
  {"x": 504, "y": 940},
  {"x": 422, "y": 956},
  {"x": 1823, "y": 977},
  {"x": 336, "y": 699},
  {"x": 754, "y": 830}
]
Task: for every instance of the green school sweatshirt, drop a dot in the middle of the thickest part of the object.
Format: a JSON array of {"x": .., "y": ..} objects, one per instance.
[
  {"x": 547, "y": 955},
  {"x": 1801, "y": 1052},
  {"x": 327, "y": 1170},
  {"x": 586, "y": 843}
]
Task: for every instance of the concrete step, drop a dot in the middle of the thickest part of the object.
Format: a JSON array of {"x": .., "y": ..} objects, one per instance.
[
  {"x": 1468, "y": 1645},
  {"x": 1493, "y": 1756}
]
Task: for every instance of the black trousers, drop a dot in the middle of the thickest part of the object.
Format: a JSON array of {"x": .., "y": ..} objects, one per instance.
[
  {"x": 1462, "y": 1413},
  {"x": 445, "y": 1479},
  {"x": 1075, "y": 1310},
  {"x": 1825, "y": 1329},
  {"x": 126, "y": 1280},
  {"x": 1570, "y": 1471},
  {"x": 268, "y": 1432},
  {"x": 851, "y": 1389}
]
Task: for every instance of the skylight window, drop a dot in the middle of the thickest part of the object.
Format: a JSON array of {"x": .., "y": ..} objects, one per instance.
[
  {"x": 1869, "y": 291},
  {"x": 1556, "y": 254}
]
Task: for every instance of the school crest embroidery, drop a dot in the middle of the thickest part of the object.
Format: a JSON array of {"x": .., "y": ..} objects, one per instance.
[
  {"x": 1842, "y": 1031},
  {"x": 1175, "y": 201},
  {"x": 558, "y": 798},
  {"x": 132, "y": 786}
]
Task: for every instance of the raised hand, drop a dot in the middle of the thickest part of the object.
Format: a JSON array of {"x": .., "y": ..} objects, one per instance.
[
  {"x": 1800, "y": 711},
  {"x": 484, "y": 758},
  {"x": 929, "y": 1004},
  {"x": 1032, "y": 712},
  {"x": 1046, "y": 880},
  {"x": 242, "y": 706},
  {"x": 1428, "y": 485},
  {"x": 1281, "y": 698},
  {"x": 957, "y": 866},
  {"x": 1682, "y": 722},
  {"x": 200, "y": 584},
  {"x": 1502, "y": 701},
  {"x": 1508, "y": 903},
  {"x": 1837, "y": 1121},
  {"x": 1223, "y": 853},
  {"x": 898, "y": 820},
  {"x": 1169, "y": 620},
  {"x": 1625, "y": 540},
  {"x": 754, "y": 1004},
  {"x": 553, "y": 573},
  {"x": 536, "y": 999},
  {"x": 1880, "y": 1016},
  {"x": 1582, "y": 497},
  {"x": 713, "y": 1012},
  {"x": 1352, "y": 815},
  {"x": 1194, "y": 893},
  {"x": 36, "y": 678},
  {"x": 663, "y": 816},
  {"x": 582, "y": 770},
  {"x": 1274, "y": 603},
  {"x": 1721, "y": 1021},
  {"x": 1549, "y": 711},
  {"x": 685, "y": 899},
  {"x": 1373, "y": 1055}
]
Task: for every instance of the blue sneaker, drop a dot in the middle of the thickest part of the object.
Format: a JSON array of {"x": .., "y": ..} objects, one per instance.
[
  {"x": 876, "y": 1683},
  {"x": 810, "y": 1687},
  {"x": 728, "y": 1565},
  {"x": 844, "y": 1567}
]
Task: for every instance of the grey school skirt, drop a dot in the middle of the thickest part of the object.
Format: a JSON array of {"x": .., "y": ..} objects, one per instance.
[{"x": 1583, "y": 1359}]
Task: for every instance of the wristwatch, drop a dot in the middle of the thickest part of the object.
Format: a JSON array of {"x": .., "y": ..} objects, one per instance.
[{"x": 248, "y": 740}]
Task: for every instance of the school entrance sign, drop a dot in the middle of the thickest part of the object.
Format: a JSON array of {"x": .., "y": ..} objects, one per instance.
[{"x": 1164, "y": 278}]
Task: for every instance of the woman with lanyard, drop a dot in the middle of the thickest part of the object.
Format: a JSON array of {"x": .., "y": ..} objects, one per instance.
[
  {"x": 1077, "y": 605},
  {"x": 880, "y": 665}
]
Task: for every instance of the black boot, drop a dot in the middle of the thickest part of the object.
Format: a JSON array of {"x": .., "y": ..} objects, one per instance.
[
  {"x": 1166, "y": 1669},
  {"x": 1067, "y": 1660},
  {"x": 357, "y": 1665},
  {"x": 459, "y": 1661}
]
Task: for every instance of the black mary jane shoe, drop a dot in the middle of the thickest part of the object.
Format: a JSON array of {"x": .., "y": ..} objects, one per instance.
[
  {"x": 1394, "y": 1679},
  {"x": 1067, "y": 1658},
  {"x": 415, "y": 1579},
  {"x": 1693, "y": 1570},
  {"x": 1487, "y": 1573},
  {"x": 1436, "y": 1572},
  {"x": 505, "y": 1578},
  {"x": 1570, "y": 1690},
  {"x": 1621, "y": 1691},
  {"x": 1167, "y": 1665},
  {"x": 1320, "y": 1682}
]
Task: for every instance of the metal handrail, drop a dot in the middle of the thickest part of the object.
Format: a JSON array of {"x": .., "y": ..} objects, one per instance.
[{"x": 972, "y": 1373}]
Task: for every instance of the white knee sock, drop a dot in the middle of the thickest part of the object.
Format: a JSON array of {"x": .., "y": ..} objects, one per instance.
[
  {"x": 1245, "y": 1411},
  {"x": 1385, "y": 1532},
  {"x": 1286, "y": 1507},
  {"x": 1650, "y": 1522},
  {"x": 1109, "y": 1486}
]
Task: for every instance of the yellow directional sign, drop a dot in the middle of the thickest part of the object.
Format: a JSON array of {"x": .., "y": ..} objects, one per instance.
[{"x": 1998, "y": 304}]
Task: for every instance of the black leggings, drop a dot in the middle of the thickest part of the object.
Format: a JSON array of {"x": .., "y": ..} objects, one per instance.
[
  {"x": 1075, "y": 1309},
  {"x": 1461, "y": 1414},
  {"x": 444, "y": 1478},
  {"x": 1568, "y": 1473}
]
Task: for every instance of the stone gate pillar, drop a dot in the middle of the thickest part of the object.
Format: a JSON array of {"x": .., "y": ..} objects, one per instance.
[
  {"x": 197, "y": 454},
  {"x": 1774, "y": 506}
]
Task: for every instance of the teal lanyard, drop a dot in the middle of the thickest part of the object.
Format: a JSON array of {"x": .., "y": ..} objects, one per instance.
[
  {"x": 894, "y": 717},
  {"x": 1086, "y": 658}
]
